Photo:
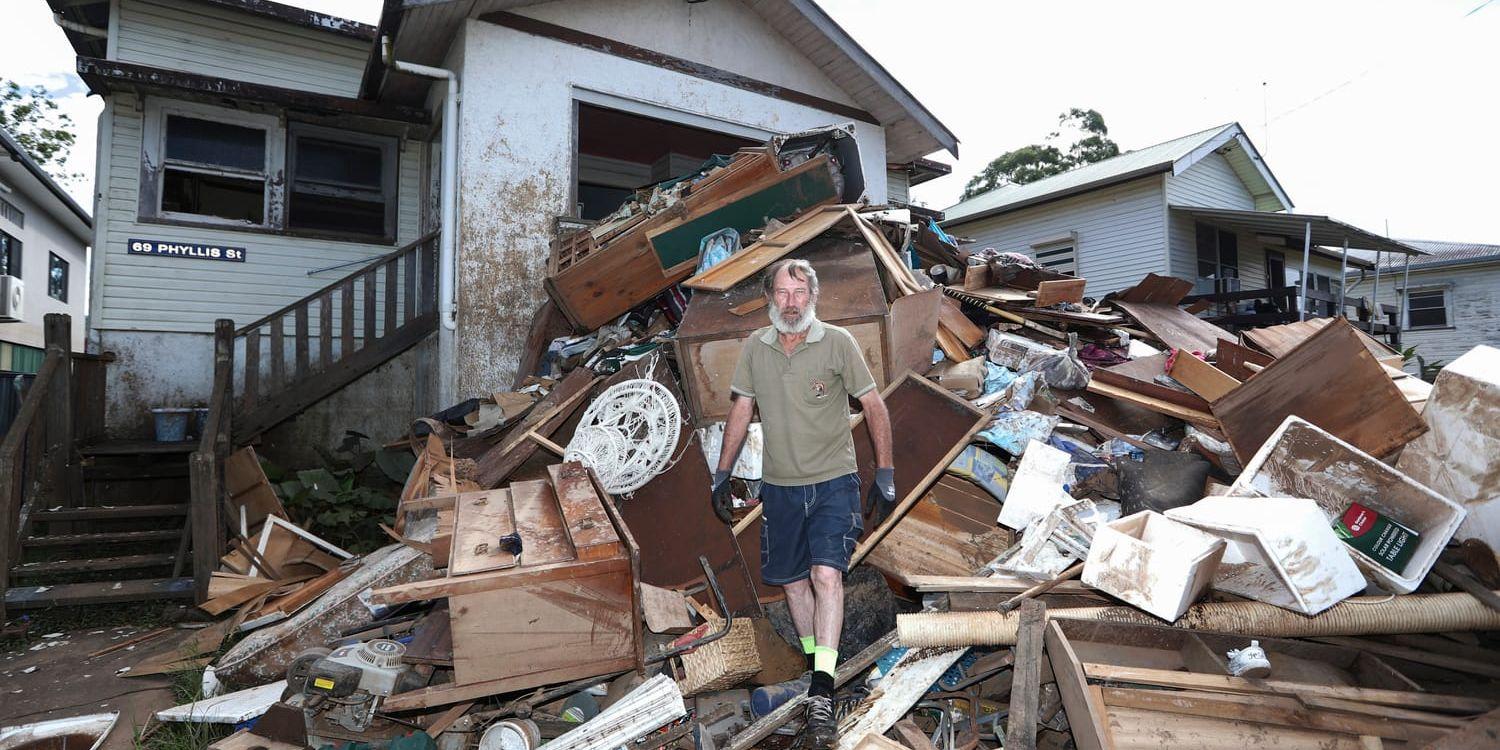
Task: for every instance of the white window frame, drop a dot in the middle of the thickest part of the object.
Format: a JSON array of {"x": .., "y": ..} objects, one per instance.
[
  {"x": 1052, "y": 245},
  {"x": 390, "y": 154},
  {"x": 1405, "y": 301},
  {"x": 154, "y": 145}
]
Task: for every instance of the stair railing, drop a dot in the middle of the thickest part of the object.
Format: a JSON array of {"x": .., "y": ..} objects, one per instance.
[
  {"x": 36, "y": 454},
  {"x": 389, "y": 304},
  {"x": 206, "y": 466}
]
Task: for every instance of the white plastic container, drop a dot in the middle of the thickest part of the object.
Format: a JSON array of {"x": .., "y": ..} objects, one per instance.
[
  {"x": 1281, "y": 551},
  {"x": 1037, "y": 487},
  {"x": 1153, "y": 562},
  {"x": 1301, "y": 460}
]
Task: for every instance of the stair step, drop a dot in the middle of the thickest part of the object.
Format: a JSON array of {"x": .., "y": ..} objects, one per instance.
[
  {"x": 111, "y": 537},
  {"x": 98, "y": 592},
  {"x": 137, "y": 447},
  {"x": 122, "y": 562},
  {"x": 131, "y": 472},
  {"x": 111, "y": 511}
]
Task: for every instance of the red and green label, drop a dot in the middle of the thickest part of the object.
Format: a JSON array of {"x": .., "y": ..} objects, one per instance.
[{"x": 1383, "y": 539}]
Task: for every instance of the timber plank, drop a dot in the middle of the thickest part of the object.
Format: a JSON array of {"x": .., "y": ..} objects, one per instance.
[
  {"x": 1266, "y": 709},
  {"x": 1200, "y": 377},
  {"x": 1200, "y": 418},
  {"x": 771, "y": 248},
  {"x": 1086, "y": 711},
  {"x": 1139, "y": 376},
  {"x": 98, "y": 592},
  {"x": 1026, "y": 686},
  {"x": 1232, "y": 358},
  {"x": 953, "y": 320},
  {"x": 1330, "y": 380},
  {"x": 1050, "y": 293},
  {"x": 1174, "y": 327},
  {"x": 438, "y": 588}
]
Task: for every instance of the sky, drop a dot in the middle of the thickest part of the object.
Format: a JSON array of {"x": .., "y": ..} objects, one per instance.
[{"x": 1376, "y": 112}]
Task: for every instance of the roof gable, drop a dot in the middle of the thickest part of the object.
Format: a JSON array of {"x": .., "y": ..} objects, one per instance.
[
  {"x": 422, "y": 33},
  {"x": 1174, "y": 157}
]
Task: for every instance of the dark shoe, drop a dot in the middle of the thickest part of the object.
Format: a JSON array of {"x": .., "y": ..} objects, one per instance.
[
  {"x": 822, "y": 729},
  {"x": 767, "y": 698}
]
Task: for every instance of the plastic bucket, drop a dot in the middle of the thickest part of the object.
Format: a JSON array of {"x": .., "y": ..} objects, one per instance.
[{"x": 171, "y": 424}]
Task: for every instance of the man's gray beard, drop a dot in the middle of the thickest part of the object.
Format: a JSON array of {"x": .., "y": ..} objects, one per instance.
[{"x": 809, "y": 314}]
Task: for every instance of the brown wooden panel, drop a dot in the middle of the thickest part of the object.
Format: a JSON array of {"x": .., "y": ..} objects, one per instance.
[
  {"x": 1174, "y": 327},
  {"x": 588, "y": 526},
  {"x": 509, "y": 633},
  {"x": 544, "y": 536},
  {"x": 480, "y": 519},
  {"x": 1139, "y": 376},
  {"x": 1232, "y": 358},
  {"x": 1332, "y": 381}
]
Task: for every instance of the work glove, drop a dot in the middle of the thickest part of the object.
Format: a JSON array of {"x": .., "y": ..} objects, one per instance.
[
  {"x": 723, "y": 505},
  {"x": 881, "y": 498}
]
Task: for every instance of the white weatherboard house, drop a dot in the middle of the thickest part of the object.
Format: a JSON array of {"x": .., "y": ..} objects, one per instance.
[
  {"x": 285, "y": 169},
  {"x": 1451, "y": 297},
  {"x": 44, "y": 241},
  {"x": 1204, "y": 207}
]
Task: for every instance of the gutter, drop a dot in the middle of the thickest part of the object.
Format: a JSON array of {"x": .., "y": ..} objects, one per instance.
[
  {"x": 19, "y": 154},
  {"x": 448, "y": 198}
]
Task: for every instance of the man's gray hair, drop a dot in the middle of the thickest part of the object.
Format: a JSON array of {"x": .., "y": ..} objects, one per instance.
[{"x": 797, "y": 268}]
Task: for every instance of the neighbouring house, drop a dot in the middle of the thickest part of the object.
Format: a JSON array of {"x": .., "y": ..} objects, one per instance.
[
  {"x": 1450, "y": 297},
  {"x": 282, "y": 169},
  {"x": 1204, "y": 207},
  {"x": 44, "y": 259}
]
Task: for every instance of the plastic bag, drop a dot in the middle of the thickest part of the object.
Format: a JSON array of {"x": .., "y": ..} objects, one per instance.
[
  {"x": 1061, "y": 368},
  {"x": 717, "y": 247}
]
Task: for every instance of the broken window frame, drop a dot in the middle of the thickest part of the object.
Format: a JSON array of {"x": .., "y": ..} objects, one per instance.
[
  {"x": 1446, "y": 306},
  {"x": 156, "y": 163},
  {"x": 390, "y": 183}
]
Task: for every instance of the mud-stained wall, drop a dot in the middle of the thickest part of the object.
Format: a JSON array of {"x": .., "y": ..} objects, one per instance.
[
  {"x": 175, "y": 370},
  {"x": 516, "y": 162}
]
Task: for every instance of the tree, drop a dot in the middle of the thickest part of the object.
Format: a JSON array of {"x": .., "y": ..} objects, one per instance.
[
  {"x": 34, "y": 120},
  {"x": 1039, "y": 160}
]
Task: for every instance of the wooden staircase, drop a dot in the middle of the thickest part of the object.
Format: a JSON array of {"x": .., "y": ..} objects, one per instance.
[{"x": 89, "y": 521}]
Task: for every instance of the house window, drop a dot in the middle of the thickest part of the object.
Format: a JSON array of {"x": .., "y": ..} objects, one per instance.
[
  {"x": 1218, "y": 260},
  {"x": 341, "y": 182},
  {"x": 9, "y": 211},
  {"x": 1427, "y": 308},
  {"x": 10, "y": 255},
  {"x": 214, "y": 169},
  {"x": 57, "y": 278},
  {"x": 1059, "y": 255}
]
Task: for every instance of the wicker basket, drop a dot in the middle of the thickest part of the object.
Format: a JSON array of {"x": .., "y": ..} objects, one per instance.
[{"x": 723, "y": 663}]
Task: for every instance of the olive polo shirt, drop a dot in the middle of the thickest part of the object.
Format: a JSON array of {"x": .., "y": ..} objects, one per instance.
[{"x": 804, "y": 401}]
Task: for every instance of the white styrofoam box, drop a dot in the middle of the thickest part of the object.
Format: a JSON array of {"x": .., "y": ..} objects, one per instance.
[
  {"x": 1037, "y": 487},
  {"x": 1153, "y": 562},
  {"x": 1301, "y": 460},
  {"x": 1281, "y": 551},
  {"x": 1459, "y": 455}
]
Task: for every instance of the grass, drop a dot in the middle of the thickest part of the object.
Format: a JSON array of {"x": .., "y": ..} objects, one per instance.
[{"x": 187, "y": 686}]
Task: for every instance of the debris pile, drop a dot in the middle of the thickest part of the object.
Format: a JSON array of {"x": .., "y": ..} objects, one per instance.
[{"x": 1116, "y": 524}]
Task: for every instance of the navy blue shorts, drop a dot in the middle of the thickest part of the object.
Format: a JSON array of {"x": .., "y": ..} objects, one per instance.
[{"x": 814, "y": 524}]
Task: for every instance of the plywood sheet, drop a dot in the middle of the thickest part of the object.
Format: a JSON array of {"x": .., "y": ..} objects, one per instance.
[
  {"x": 480, "y": 519},
  {"x": 1278, "y": 340},
  {"x": 773, "y": 247},
  {"x": 1052, "y": 292},
  {"x": 1201, "y": 377},
  {"x": 1157, "y": 289},
  {"x": 1232, "y": 358},
  {"x": 1174, "y": 327},
  {"x": 1139, "y": 375},
  {"x": 1331, "y": 380},
  {"x": 913, "y": 327}
]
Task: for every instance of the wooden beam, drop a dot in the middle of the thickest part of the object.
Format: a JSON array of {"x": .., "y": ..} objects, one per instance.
[
  {"x": 440, "y": 588},
  {"x": 1026, "y": 687}
]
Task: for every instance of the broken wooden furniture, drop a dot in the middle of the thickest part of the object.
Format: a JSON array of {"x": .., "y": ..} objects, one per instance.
[
  {"x": 1138, "y": 686},
  {"x": 596, "y": 275},
  {"x": 711, "y": 335},
  {"x": 563, "y": 606},
  {"x": 1153, "y": 304}
]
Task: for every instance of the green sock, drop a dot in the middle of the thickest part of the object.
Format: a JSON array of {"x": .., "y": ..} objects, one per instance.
[
  {"x": 825, "y": 659},
  {"x": 808, "y": 642}
]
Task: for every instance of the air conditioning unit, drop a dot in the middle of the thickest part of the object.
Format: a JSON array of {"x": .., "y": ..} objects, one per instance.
[{"x": 10, "y": 299}]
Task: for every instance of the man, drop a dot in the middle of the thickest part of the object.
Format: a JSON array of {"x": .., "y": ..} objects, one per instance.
[{"x": 801, "y": 372}]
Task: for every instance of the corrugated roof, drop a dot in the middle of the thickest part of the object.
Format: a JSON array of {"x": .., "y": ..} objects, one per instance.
[
  {"x": 63, "y": 205},
  {"x": 1129, "y": 165},
  {"x": 1326, "y": 232},
  {"x": 1439, "y": 253}
]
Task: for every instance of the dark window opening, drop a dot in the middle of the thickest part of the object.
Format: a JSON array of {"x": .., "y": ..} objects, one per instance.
[
  {"x": 10, "y": 255},
  {"x": 619, "y": 152},
  {"x": 1427, "y": 309},
  {"x": 342, "y": 186},
  {"x": 214, "y": 169},
  {"x": 15, "y": 215},
  {"x": 1060, "y": 258},
  {"x": 232, "y": 198},
  {"x": 57, "y": 278}
]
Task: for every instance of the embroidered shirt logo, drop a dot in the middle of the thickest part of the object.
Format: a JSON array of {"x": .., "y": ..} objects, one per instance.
[{"x": 819, "y": 389}]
